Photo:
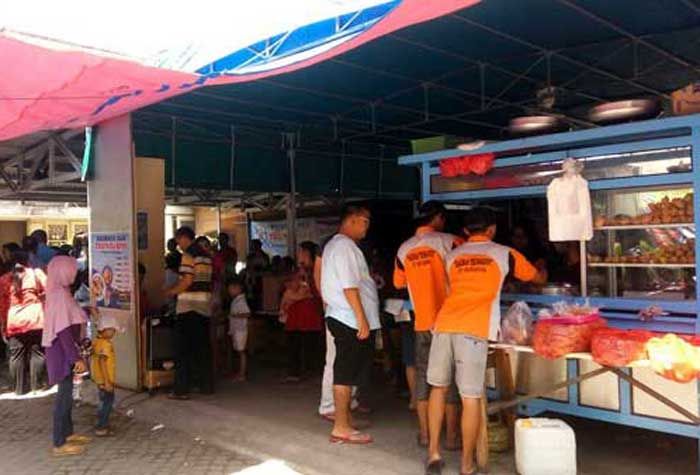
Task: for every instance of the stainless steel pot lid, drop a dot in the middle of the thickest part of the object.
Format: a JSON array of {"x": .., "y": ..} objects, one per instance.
[
  {"x": 624, "y": 110},
  {"x": 532, "y": 123}
]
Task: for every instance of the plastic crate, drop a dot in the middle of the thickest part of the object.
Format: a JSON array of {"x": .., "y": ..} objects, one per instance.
[{"x": 433, "y": 144}]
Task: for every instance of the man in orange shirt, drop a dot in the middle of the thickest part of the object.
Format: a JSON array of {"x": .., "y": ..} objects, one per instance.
[
  {"x": 468, "y": 319},
  {"x": 420, "y": 266}
]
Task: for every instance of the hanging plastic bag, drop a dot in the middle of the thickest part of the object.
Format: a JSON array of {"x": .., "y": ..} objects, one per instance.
[
  {"x": 674, "y": 358},
  {"x": 481, "y": 164},
  {"x": 618, "y": 348},
  {"x": 516, "y": 325},
  {"x": 566, "y": 329},
  {"x": 448, "y": 168}
]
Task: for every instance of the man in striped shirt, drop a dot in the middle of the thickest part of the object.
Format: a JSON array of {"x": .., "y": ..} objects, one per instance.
[{"x": 193, "y": 314}]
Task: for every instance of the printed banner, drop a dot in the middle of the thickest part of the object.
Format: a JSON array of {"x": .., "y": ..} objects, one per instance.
[
  {"x": 273, "y": 234},
  {"x": 111, "y": 270}
]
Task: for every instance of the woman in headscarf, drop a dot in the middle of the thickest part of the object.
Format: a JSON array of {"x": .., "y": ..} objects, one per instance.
[
  {"x": 62, "y": 330},
  {"x": 25, "y": 321}
]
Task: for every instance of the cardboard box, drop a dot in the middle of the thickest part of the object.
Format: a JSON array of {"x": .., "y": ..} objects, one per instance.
[{"x": 686, "y": 100}]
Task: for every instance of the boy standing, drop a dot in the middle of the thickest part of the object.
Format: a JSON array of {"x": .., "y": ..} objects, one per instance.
[
  {"x": 103, "y": 368},
  {"x": 238, "y": 325}
]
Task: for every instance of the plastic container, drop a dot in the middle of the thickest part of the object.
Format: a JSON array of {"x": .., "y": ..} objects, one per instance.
[
  {"x": 433, "y": 144},
  {"x": 544, "y": 447}
]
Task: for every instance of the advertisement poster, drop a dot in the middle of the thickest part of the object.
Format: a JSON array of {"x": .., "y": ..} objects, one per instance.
[
  {"x": 273, "y": 234},
  {"x": 110, "y": 270}
]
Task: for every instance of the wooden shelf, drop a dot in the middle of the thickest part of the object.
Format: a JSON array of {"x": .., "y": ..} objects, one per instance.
[
  {"x": 643, "y": 265},
  {"x": 645, "y": 226}
]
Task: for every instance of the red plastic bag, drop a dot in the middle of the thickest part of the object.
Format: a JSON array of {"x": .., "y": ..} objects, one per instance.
[
  {"x": 619, "y": 348},
  {"x": 448, "y": 167},
  {"x": 481, "y": 163},
  {"x": 555, "y": 337}
]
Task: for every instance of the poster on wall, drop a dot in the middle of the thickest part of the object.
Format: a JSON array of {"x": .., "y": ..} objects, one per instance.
[
  {"x": 273, "y": 234},
  {"x": 110, "y": 270}
]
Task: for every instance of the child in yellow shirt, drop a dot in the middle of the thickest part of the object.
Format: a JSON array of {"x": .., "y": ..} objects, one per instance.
[{"x": 103, "y": 369}]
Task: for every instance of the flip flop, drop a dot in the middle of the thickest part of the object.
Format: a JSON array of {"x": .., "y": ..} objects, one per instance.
[
  {"x": 434, "y": 467},
  {"x": 78, "y": 439},
  {"x": 475, "y": 471},
  {"x": 104, "y": 433},
  {"x": 355, "y": 438}
]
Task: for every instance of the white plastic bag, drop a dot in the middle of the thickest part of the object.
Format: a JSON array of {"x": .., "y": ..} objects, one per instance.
[{"x": 516, "y": 326}]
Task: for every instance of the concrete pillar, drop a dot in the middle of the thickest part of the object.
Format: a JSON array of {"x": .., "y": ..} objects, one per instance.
[{"x": 111, "y": 198}]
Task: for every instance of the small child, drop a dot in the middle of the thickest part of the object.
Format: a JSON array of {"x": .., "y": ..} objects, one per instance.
[
  {"x": 238, "y": 325},
  {"x": 103, "y": 368}
]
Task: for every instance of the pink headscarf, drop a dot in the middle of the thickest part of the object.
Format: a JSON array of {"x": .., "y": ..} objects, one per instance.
[{"x": 62, "y": 310}]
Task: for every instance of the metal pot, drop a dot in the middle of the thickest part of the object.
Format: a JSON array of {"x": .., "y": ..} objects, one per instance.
[
  {"x": 533, "y": 124},
  {"x": 563, "y": 289},
  {"x": 624, "y": 110}
]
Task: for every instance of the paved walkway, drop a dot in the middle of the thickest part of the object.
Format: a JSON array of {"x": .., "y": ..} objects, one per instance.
[
  {"x": 269, "y": 428},
  {"x": 25, "y": 446}
]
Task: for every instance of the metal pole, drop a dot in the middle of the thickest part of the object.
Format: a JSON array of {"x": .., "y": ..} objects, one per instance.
[
  {"x": 292, "y": 201},
  {"x": 232, "y": 159},
  {"x": 380, "y": 173},
  {"x": 341, "y": 188},
  {"x": 172, "y": 154},
  {"x": 584, "y": 270}
]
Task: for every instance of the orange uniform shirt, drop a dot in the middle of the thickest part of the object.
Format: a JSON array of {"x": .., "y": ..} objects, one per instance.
[
  {"x": 420, "y": 266},
  {"x": 476, "y": 271}
]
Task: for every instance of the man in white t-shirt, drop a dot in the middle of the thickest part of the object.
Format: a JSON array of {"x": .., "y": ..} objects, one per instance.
[{"x": 352, "y": 316}]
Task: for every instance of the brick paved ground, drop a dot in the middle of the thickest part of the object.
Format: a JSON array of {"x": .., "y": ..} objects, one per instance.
[{"x": 25, "y": 446}]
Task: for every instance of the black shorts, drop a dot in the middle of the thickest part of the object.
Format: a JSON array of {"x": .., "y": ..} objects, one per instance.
[{"x": 353, "y": 357}]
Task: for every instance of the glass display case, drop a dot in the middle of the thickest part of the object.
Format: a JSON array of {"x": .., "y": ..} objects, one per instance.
[{"x": 644, "y": 244}]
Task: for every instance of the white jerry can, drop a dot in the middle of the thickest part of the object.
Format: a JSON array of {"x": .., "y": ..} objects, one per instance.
[{"x": 544, "y": 447}]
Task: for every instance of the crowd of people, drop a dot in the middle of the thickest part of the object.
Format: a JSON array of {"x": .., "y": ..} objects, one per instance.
[{"x": 453, "y": 287}]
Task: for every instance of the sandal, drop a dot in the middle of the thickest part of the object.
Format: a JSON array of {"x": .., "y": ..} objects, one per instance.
[
  {"x": 104, "y": 433},
  {"x": 78, "y": 439},
  {"x": 68, "y": 449},
  {"x": 434, "y": 467},
  {"x": 421, "y": 443},
  {"x": 355, "y": 438},
  {"x": 329, "y": 416}
]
